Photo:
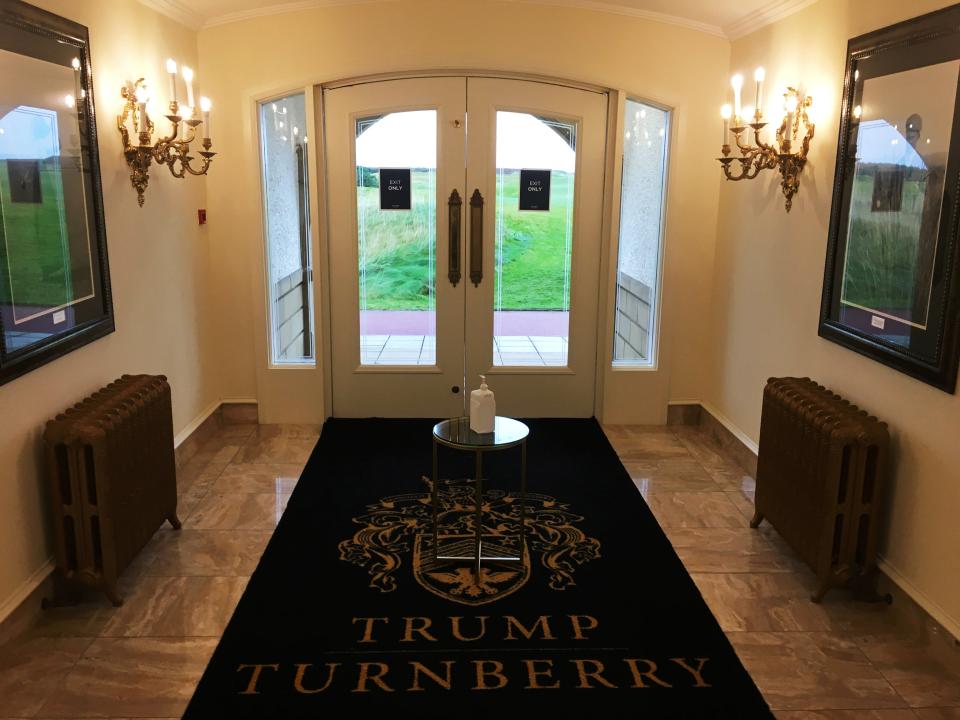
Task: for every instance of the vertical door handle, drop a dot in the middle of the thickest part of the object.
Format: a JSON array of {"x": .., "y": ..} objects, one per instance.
[
  {"x": 476, "y": 237},
  {"x": 454, "y": 205}
]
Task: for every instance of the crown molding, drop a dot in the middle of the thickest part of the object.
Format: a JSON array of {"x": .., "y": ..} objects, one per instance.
[
  {"x": 632, "y": 12},
  {"x": 281, "y": 9},
  {"x": 582, "y": 4},
  {"x": 773, "y": 11},
  {"x": 766, "y": 15},
  {"x": 176, "y": 10}
]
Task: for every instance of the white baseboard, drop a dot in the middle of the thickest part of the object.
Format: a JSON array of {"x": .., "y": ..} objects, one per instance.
[
  {"x": 729, "y": 425},
  {"x": 917, "y": 595},
  {"x": 723, "y": 420},
  {"x": 210, "y": 410},
  {"x": 195, "y": 423},
  {"x": 26, "y": 589}
]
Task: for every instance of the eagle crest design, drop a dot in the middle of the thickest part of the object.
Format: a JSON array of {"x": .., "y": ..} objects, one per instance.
[{"x": 400, "y": 527}]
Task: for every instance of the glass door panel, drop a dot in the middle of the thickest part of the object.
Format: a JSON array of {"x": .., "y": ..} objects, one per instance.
[
  {"x": 536, "y": 162},
  {"x": 396, "y": 177},
  {"x": 395, "y": 157}
]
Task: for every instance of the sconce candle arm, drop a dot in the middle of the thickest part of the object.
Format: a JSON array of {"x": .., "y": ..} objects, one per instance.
[
  {"x": 779, "y": 155},
  {"x": 172, "y": 150}
]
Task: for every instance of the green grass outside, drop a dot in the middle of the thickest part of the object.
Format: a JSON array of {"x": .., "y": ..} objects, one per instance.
[
  {"x": 395, "y": 260},
  {"x": 30, "y": 242},
  {"x": 883, "y": 249},
  {"x": 534, "y": 247},
  {"x": 395, "y": 247}
]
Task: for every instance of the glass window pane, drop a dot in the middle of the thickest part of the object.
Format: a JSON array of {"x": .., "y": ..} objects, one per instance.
[
  {"x": 283, "y": 139},
  {"x": 896, "y": 204},
  {"x": 396, "y": 176},
  {"x": 536, "y": 165},
  {"x": 641, "y": 226},
  {"x": 47, "y": 263}
]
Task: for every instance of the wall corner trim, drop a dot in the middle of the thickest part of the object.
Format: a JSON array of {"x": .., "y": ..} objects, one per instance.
[
  {"x": 191, "y": 426},
  {"x": 26, "y": 589},
  {"x": 739, "y": 434}
]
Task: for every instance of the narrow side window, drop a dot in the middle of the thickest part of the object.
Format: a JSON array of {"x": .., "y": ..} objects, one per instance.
[
  {"x": 646, "y": 130},
  {"x": 286, "y": 206}
]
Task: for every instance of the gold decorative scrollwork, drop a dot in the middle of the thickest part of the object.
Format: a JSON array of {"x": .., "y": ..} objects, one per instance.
[
  {"x": 753, "y": 159},
  {"x": 390, "y": 528},
  {"x": 172, "y": 150}
]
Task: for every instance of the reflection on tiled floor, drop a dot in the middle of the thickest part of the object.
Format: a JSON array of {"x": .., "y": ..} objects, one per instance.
[
  {"x": 509, "y": 350},
  {"x": 835, "y": 661}
]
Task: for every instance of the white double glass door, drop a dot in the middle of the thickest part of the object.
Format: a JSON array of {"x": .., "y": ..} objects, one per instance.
[{"x": 465, "y": 231}]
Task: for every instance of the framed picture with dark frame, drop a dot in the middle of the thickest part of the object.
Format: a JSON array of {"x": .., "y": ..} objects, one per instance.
[
  {"x": 54, "y": 279},
  {"x": 891, "y": 287}
]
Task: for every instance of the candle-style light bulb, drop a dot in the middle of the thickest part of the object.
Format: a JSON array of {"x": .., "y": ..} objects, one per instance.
[
  {"x": 172, "y": 75},
  {"x": 188, "y": 79},
  {"x": 205, "y": 106},
  {"x": 759, "y": 75},
  {"x": 791, "y": 105},
  {"x": 736, "y": 82},
  {"x": 725, "y": 112},
  {"x": 75, "y": 63},
  {"x": 142, "y": 94}
]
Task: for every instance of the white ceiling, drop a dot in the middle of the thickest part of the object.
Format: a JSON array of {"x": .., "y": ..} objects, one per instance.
[{"x": 726, "y": 18}]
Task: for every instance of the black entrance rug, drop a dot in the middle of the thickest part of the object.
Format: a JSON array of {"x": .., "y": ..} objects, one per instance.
[{"x": 349, "y": 616}]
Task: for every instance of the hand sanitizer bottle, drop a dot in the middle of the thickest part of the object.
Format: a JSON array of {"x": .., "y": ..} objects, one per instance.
[{"x": 483, "y": 408}]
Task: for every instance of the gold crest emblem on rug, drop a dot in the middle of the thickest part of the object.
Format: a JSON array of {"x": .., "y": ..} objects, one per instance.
[
  {"x": 454, "y": 580},
  {"x": 401, "y": 527}
]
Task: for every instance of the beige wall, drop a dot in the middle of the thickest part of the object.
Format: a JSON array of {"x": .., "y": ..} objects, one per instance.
[
  {"x": 769, "y": 271},
  {"x": 159, "y": 263},
  {"x": 752, "y": 308},
  {"x": 668, "y": 64}
]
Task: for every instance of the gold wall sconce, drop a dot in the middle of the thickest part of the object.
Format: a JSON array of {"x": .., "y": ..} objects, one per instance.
[
  {"x": 172, "y": 150},
  {"x": 795, "y": 131}
]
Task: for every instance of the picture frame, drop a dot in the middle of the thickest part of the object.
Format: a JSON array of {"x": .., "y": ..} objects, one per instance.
[
  {"x": 55, "y": 291},
  {"x": 891, "y": 287}
]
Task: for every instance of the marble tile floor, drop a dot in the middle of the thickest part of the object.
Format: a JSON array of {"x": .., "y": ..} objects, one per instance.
[{"x": 836, "y": 661}]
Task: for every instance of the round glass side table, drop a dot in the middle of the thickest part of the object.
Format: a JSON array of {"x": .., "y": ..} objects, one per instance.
[{"x": 456, "y": 433}]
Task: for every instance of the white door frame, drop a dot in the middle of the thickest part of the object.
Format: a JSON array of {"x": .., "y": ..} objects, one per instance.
[{"x": 608, "y": 380}]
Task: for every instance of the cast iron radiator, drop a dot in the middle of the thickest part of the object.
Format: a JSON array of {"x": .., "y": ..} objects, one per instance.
[
  {"x": 112, "y": 480},
  {"x": 820, "y": 477}
]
